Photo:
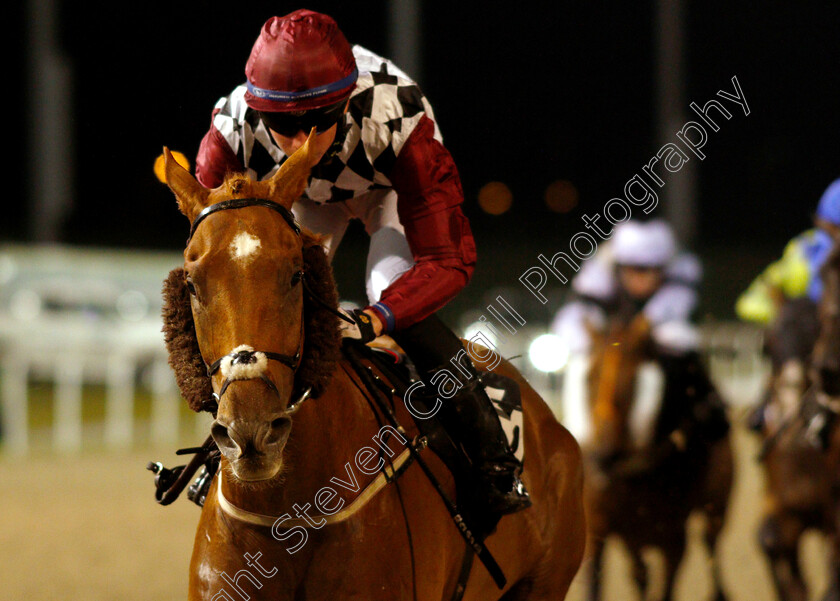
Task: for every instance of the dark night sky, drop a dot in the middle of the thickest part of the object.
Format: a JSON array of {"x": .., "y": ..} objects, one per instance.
[{"x": 523, "y": 95}]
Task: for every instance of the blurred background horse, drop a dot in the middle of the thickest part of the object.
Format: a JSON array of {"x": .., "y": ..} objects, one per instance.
[
  {"x": 648, "y": 465},
  {"x": 802, "y": 440}
]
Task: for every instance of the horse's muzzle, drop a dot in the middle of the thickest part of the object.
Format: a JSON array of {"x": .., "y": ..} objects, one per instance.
[{"x": 245, "y": 441}]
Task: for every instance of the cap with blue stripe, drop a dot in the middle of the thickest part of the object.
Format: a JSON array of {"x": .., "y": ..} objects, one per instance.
[{"x": 284, "y": 96}]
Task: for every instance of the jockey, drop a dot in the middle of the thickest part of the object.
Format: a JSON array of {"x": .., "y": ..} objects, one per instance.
[
  {"x": 640, "y": 270},
  {"x": 790, "y": 289},
  {"x": 796, "y": 273},
  {"x": 379, "y": 158}
]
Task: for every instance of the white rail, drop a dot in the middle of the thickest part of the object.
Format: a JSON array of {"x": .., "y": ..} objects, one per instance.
[{"x": 75, "y": 317}]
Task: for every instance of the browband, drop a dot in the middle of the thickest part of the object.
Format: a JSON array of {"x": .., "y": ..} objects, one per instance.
[{"x": 241, "y": 203}]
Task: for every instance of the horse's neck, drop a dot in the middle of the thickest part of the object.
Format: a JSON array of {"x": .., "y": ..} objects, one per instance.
[
  {"x": 612, "y": 364},
  {"x": 326, "y": 434}
]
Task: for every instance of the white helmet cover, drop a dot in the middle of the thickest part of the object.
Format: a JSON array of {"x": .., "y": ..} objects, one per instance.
[{"x": 644, "y": 244}]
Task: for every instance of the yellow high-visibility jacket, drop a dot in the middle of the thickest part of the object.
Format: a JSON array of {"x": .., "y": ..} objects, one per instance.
[{"x": 794, "y": 275}]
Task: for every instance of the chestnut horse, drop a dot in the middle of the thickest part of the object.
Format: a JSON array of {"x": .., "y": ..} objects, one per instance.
[
  {"x": 645, "y": 475},
  {"x": 365, "y": 538},
  {"x": 803, "y": 479}
]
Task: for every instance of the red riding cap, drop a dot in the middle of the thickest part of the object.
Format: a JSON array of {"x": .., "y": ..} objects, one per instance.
[{"x": 301, "y": 61}]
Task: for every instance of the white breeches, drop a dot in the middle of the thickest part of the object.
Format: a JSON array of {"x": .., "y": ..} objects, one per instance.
[
  {"x": 388, "y": 255},
  {"x": 576, "y": 406}
]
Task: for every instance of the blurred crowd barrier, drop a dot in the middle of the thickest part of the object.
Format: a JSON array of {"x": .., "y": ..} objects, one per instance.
[
  {"x": 732, "y": 352},
  {"x": 75, "y": 318},
  {"x": 78, "y": 317}
]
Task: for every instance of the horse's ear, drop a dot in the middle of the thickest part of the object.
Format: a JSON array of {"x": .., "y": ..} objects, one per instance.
[
  {"x": 191, "y": 196},
  {"x": 288, "y": 184}
]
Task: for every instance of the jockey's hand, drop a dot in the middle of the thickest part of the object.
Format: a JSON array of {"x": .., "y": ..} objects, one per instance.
[{"x": 364, "y": 326}]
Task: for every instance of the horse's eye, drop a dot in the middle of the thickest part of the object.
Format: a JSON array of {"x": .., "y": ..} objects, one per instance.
[
  {"x": 296, "y": 277},
  {"x": 190, "y": 286}
]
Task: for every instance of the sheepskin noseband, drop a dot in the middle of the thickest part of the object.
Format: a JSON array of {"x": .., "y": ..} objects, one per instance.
[{"x": 243, "y": 363}]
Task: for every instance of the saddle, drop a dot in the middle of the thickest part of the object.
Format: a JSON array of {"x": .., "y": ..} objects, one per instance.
[{"x": 396, "y": 374}]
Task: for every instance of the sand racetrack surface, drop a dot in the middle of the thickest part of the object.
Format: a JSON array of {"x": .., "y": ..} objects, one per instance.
[{"x": 88, "y": 528}]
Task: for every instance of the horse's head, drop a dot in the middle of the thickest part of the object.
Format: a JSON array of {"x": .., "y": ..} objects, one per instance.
[
  {"x": 617, "y": 353},
  {"x": 243, "y": 268}
]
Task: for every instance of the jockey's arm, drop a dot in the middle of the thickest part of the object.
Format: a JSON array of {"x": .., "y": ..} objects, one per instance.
[
  {"x": 786, "y": 278},
  {"x": 429, "y": 194},
  {"x": 215, "y": 158}
]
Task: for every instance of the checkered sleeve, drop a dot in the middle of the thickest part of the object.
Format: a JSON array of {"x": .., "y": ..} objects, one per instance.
[
  {"x": 215, "y": 158},
  {"x": 237, "y": 141},
  {"x": 430, "y": 196}
]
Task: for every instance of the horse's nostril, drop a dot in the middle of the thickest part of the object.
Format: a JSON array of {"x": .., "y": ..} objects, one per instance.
[
  {"x": 219, "y": 431},
  {"x": 223, "y": 439},
  {"x": 278, "y": 431}
]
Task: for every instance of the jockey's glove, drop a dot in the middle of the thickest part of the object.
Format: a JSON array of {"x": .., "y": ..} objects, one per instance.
[{"x": 361, "y": 327}]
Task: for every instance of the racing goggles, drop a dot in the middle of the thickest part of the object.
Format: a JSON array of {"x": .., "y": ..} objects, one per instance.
[{"x": 289, "y": 124}]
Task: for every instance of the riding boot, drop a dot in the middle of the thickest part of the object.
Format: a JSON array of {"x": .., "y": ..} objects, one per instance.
[
  {"x": 469, "y": 417},
  {"x": 485, "y": 444}
]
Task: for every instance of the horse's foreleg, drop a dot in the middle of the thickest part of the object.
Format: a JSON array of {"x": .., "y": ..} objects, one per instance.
[
  {"x": 833, "y": 592},
  {"x": 673, "y": 555},
  {"x": 779, "y": 537},
  {"x": 714, "y": 524},
  {"x": 640, "y": 571},
  {"x": 718, "y": 489},
  {"x": 596, "y": 563}
]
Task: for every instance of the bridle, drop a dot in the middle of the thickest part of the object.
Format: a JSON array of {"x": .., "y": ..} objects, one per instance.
[
  {"x": 241, "y": 203},
  {"x": 243, "y": 356}
]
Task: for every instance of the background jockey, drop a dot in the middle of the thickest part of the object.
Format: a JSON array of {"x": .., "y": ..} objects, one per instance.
[
  {"x": 379, "y": 158},
  {"x": 639, "y": 270},
  {"x": 796, "y": 273},
  {"x": 785, "y": 295}
]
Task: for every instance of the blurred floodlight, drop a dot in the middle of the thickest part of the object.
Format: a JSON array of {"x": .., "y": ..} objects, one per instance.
[
  {"x": 495, "y": 198},
  {"x": 8, "y": 269},
  {"x": 132, "y": 305},
  {"x": 561, "y": 196},
  {"x": 25, "y": 304},
  {"x": 348, "y": 305},
  {"x": 548, "y": 353},
  {"x": 477, "y": 327},
  {"x": 160, "y": 164}
]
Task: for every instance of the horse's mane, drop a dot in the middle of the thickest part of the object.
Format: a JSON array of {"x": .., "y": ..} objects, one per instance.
[{"x": 321, "y": 334}]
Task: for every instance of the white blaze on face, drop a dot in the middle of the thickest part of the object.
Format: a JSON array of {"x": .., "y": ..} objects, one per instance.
[{"x": 244, "y": 246}]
